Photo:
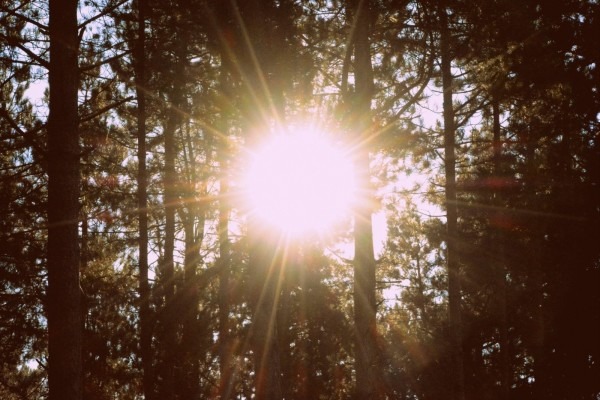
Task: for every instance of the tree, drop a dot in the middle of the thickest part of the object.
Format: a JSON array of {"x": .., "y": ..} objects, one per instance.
[
  {"x": 223, "y": 153},
  {"x": 509, "y": 160},
  {"x": 64, "y": 293},
  {"x": 365, "y": 307},
  {"x": 22, "y": 205},
  {"x": 145, "y": 325},
  {"x": 454, "y": 291},
  {"x": 261, "y": 45},
  {"x": 415, "y": 321}
]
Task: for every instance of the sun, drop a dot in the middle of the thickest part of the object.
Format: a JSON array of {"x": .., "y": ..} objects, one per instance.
[{"x": 299, "y": 182}]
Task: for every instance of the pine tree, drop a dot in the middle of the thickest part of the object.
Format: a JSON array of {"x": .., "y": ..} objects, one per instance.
[
  {"x": 64, "y": 292},
  {"x": 365, "y": 307}
]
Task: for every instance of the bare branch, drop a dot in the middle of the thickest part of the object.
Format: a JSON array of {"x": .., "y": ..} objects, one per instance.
[
  {"x": 103, "y": 13},
  {"x": 101, "y": 111},
  {"x": 86, "y": 68},
  {"x": 15, "y": 42},
  {"x": 43, "y": 28}
]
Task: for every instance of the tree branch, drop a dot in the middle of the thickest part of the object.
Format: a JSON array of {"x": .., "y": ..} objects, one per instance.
[
  {"x": 104, "y": 12},
  {"x": 11, "y": 41},
  {"x": 86, "y": 68},
  {"x": 101, "y": 111}
]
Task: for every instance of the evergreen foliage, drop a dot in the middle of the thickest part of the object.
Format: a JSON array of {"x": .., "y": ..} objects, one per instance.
[{"x": 476, "y": 129}]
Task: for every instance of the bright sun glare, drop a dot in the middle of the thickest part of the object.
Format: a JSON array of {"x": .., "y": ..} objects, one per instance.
[{"x": 299, "y": 182}]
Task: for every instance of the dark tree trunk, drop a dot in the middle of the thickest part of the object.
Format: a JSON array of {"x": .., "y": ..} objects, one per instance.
[
  {"x": 169, "y": 317},
  {"x": 191, "y": 339},
  {"x": 225, "y": 345},
  {"x": 542, "y": 386},
  {"x": 454, "y": 286},
  {"x": 265, "y": 252},
  {"x": 499, "y": 261},
  {"x": 265, "y": 270},
  {"x": 225, "y": 342},
  {"x": 145, "y": 326},
  {"x": 194, "y": 220},
  {"x": 64, "y": 293},
  {"x": 367, "y": 374}
]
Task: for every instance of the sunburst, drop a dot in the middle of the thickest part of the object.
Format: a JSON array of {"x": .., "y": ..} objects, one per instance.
[{"x": 299, "y": 182}]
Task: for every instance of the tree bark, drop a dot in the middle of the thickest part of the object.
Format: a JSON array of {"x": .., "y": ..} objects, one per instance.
[
  {"x": 454, "y": 286},
  {"x": 225, "y": 345},
  {"x": 188, "y": 383},
  {"x": 225, "y": 339},
  {"x": 265, "y": 252},
  {"x": 194, "y": 221},
  {"x": 364, "y": 258},
  {"x": 145, "y": 326},
  {"x": 265, "y": 269},
  {"x": 169, "y": 317},
  {"x": 505, "y": 378},
  {"x": 64, "y": 293}
]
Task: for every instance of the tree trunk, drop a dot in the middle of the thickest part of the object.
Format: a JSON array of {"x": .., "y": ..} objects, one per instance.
[
  {"x": 225, "y": 342},
  {"x": 265, "y": 272},
  {"x": 454, "y": 286},
  {"x": 537, "y": 279},
  {"x": 169, "y": 314},
  {"x": 145, "y": 326},
  {"x": 265, "y": 252},
  {"x": 64, "y": 293},
  {"x": 188, "y": 383},
  {"x": 364, "y": 257},
  {"x": 225, "y": 345},
  {"x": 265, "y": 268},
  {"x": 505, "y": 379},
  {"x": 194, "y": 220}
]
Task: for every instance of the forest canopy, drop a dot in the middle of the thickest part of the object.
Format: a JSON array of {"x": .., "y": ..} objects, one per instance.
[{"x": 299, "y": 199}]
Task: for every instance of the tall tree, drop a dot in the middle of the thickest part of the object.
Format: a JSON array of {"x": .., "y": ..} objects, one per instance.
[
  {"x": 170, "y": 62},
  {"x": 221, "y": 32},
  {"x": 22, "y": 282},
  {"x": 193, "y": 214},
  {"x": 263, "y": 33},
  {"x": 145, "y": 325},
  {"x": 454, "y": 291},
  {"x": 64, "y": 293},
  {"x": 499, "y": 258},
  {"x": 225, "y": 339},
  {"x": 365, "y": 307},
  {"x": 169, "y": 318}
]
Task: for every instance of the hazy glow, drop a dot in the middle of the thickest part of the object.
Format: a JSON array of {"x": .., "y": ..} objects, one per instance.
[{"x": 299, "y": 182}]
